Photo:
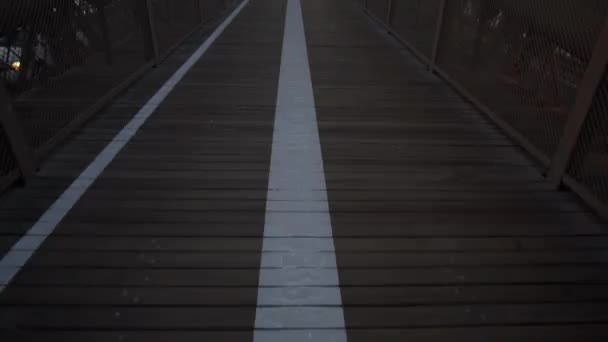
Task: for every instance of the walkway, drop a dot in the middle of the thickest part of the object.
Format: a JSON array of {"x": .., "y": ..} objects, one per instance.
[{"x": 221, "y": 212}]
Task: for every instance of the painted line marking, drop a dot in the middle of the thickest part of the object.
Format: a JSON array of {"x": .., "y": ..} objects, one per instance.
[
  {"x": 299, "y": 294},
  {"x": 16, "y": 257}
]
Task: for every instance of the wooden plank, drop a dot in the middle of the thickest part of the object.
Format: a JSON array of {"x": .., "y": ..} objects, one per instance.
[
  {"x": 379, "y": 206},
  {"x": 356, "y": 296},
  {"x": 479, "y": 275},
  {"x": 557, "y": 333},
  {"x": 138, "y": 277},
  {"x": 430, "y": 195},
  {"x": 142, "y": 318},
  {"x": 358, "y": 226},
  {"x": 133, "y": 296},
  {"x": 350, "y": 260},
  {"x": 70, "y": 335},
  {"x": 236, "y": 318},
  {"x": 468, "y": 315},
  {"x": 229, "y": 244},
  {"x": 497, "y": 333},
  {"x": 346, "y": 244},
  {"x": 377, "y": 278}
]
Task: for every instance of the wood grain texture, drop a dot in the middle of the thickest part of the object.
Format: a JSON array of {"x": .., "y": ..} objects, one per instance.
[
  {"x": 212, "y": 136},
  {"x": 444, "y": 231}
]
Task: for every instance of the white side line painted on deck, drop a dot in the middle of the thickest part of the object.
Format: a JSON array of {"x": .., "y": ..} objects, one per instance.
[
  {"x": 25, "y": 248},
  {"x": 297, "y": 304}
]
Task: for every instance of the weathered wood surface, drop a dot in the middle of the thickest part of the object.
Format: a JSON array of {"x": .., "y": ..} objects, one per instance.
[
  {"x": 135, "y": 238},
  {"x": 444, "y": 231}
]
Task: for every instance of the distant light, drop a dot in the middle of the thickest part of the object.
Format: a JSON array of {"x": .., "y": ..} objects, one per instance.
[{"x": 16, "y": 65}]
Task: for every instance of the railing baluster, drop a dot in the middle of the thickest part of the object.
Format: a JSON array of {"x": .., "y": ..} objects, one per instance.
[
  {"x": 22, "y": 152},
  {"x": 438, "y": 31},
  {"x": 201, "y": 11},
  {"x": 389, "y": 13},
  {"x": 107, "y": 42},
  {"x": 152, "y": 34}
]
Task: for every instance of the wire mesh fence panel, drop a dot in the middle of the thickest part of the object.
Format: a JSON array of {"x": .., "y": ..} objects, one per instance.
[
  {"x": 522, "y": 59},
  {"x": 379, "y": 8},
  {"x": 173, "y": 20},
  {"x": 64, "y": 55},
  {"x": 416, "y": 22},
  {"x": 589, "y": 164}
]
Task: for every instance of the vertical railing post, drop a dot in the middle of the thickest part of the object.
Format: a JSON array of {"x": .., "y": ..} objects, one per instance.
[
  {"x": 107, "y": 42},
  {"x": 151, "y": 28},
  {"x": 201, "y": 11},
  {"x": 438, "y": 32},
  {"x": 26, "y": 58},
  {"x": 389, "y": 13},
  {"x": 484, "y": 12},
  {"x": 584, "y": 100},
  {"x": 22, "y": 152}
]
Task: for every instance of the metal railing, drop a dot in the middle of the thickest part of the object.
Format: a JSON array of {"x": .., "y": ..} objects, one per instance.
[
  {"x": 536, "y": 68},
  {"x": 61, "y": 61}
]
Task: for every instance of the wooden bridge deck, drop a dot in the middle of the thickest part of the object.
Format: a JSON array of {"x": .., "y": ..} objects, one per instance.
[{"x": 443, "y": 229}]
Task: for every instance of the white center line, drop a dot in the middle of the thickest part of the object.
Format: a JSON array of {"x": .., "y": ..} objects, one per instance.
[
  {"x": 300, "y": 300},
  {"x": 24, "y": 249}
]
